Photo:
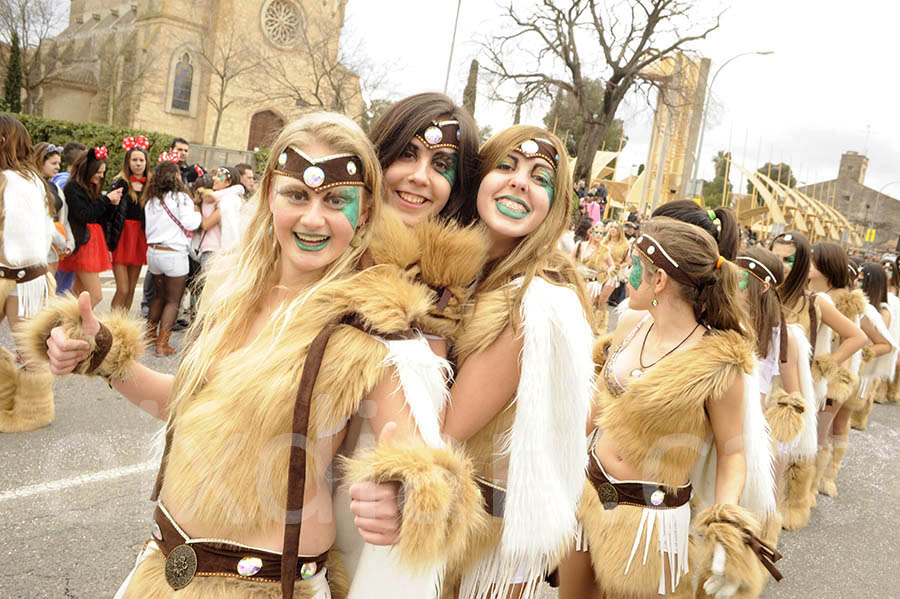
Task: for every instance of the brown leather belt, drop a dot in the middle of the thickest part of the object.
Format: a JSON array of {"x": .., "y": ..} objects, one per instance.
[
  {"x": 23, "y": 274},
  {"x": 637, "y": 494},
  {"x": 160, "y": 247},
  {"x": 186, "y": 560},
  {"x": 494, "y": 497}
]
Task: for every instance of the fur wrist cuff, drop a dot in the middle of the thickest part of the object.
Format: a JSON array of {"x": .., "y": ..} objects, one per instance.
[
  {"x": 841, "y": 385},
  {"x": 785, "y": 415},
  {"x": 731, "y": 550},
  {"x": 823, "y": 367},
  {"x": 442, "y": 507},
  {"x": 868, "y": 353},
  {"x": 602, "y": 347},
  {"x": 113, "y": 349}
]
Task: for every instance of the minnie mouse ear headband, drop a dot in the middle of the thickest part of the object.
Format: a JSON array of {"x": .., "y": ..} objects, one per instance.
[
  {"x": 539, "y": 148},
  {"x": 140, "y": 142},
  {"x": 100, "y": 153},
  {"x": 321, "y": 173},
  {"x": 168, "y": 157},
  {"x": 440, "y": 134},
  {"x": 654, "y": 252}
]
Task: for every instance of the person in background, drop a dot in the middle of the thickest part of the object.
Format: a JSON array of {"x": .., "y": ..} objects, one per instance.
[
  {"x": 189, "y": 173},
  {"x": 47, "y": 159},
  {"x": 248, "y": 178},
  {"x": 129, "y": 248},
  {"x": 89, "y": 212},
  {"x": 70, "y": 153}
]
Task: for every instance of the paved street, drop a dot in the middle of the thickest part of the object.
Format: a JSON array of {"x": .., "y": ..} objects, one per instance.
[{"x": 74, "y": 503}]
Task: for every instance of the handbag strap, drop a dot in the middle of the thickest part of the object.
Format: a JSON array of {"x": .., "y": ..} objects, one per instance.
[{"x": 188, "y": 234}]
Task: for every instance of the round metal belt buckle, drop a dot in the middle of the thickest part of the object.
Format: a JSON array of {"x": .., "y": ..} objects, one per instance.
[
  {"x": 181, "y": 565},
  {"x": 608, "y": 495}
]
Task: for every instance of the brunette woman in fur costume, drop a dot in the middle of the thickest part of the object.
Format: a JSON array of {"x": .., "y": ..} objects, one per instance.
[
  {"x": 671, "y": 377},
  {"x": 878, "y": 356},
  {"x": 522, "y": 390},
  {"x": 835, "y": 367},
  {"x": 26, "y": 232},
  {"x": 287, "y": 309},
  {"x": 892, "y": 393}
]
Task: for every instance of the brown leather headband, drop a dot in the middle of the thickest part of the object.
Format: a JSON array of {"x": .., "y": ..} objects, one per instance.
[
  {"x": 654, "y": 252},
  {"x": 539, "y": 148},
  {"x": 443, "y": 134},
  {"x": 322, "y": 173}
]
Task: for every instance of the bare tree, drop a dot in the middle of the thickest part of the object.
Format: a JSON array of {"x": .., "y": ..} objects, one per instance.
[
  {"x": 338, "y": 78},
  {"x": 125, "y": 63},
  {"x": 34, "y": 21},
  {"x": 228, "y": 57},
  {"x": 559, "y": 38}
]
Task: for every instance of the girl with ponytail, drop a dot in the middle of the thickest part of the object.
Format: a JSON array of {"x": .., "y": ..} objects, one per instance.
[
  {"x": 679, "y": 368},
  {"x": 720, "y": 222}
]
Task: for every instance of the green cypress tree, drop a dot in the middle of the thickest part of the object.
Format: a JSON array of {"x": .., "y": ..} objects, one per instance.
[
  {"x": 12, "y": 85},
  {"x": 471, "y": 87}
]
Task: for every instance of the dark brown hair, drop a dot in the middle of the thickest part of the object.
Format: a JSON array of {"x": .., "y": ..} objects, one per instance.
[
  {"x": 85, "y": 167},
  {"x": 396, "y": 127},
  {"x": 831, "y": 260},
  {"x": 71, "y": 151},
  {"x": 793, "y": 289},
  {"x": 763, "y": 306},
  {"x": 727, "y": 233},
  {"x": 716, "y": 298},
  {"x": 874, "y": 283},
  {"x": 895, "y": 274},
  {"x": 165, "y": 178}
]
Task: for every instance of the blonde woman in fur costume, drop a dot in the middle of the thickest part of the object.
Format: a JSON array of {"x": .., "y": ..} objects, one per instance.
[
  {"x": 835, "y": 367},
  {"x": 678, "y": 404},
  {"x": 522, "y": 390},
  {"x": 262, "y": 332},
  {"x": 879, "y": 356},
  {"x": 26, "y": 233},
  {"x": 595, "y": 261}
]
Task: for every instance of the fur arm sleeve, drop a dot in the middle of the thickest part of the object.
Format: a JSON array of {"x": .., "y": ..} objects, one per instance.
[
  {"x": 785, "y": 415},
  {"x": 730, "y": 552},
  {"x": 118, "y": 344},
  {"x": 442, "y": 506}
]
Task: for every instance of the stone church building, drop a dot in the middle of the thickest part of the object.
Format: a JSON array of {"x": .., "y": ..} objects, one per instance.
[{"x": 159, "y": 65}]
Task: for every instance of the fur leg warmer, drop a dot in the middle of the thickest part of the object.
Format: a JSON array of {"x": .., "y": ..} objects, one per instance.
[
  {"x": 123, "y": 334},
  {"x": 824, "y": 367},
  {"x": 881, "y": 391},
  {"x": 9, "y": 379},
  {"x": 795, "y": 508},
  {"x": 785, "y": 415},
  {"x": 859, "y": 419},
  {"x": 893, "y": 393},
  {"x": 442, "y": 505},
  {"x": 823, "y": 462},
  {"x": 32, "y": 406},
  {"x": 728, "y": 565},
  {"x": 839, "y": 445}
]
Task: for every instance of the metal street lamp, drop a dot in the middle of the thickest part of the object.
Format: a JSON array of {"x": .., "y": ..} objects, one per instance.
[
  {"x": 706, "y": 105},
  {"x": 875, "y": 207}
]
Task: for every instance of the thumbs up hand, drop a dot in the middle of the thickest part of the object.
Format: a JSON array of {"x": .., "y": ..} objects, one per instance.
[
  {"x": 376, "y": 507},
  {"x": 65, "y": 353}
]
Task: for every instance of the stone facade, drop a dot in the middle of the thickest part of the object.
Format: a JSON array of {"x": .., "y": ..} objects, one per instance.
[
  {"x": 152, "y": 64},
  {"x": 860, "y": 204}
]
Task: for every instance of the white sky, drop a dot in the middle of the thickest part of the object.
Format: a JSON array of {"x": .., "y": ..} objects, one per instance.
[{"x": 833, "y": 77}]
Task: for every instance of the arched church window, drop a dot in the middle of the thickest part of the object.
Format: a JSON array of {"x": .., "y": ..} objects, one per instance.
[{"x": 181, "y": 90}]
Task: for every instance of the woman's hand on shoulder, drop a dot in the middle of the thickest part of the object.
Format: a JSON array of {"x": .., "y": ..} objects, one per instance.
[{"x": 65, "y": 353}]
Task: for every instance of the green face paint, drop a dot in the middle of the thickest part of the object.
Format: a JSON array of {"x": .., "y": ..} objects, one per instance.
[
  {"x": 790, "y": 260},
  {"x": 446, "y": 165},
  {"x": 545, "y": 180},
  {"x": 743, "y": 280},
  {"x": 350, "y": 197},
  {"x": 637, "y": 273}
]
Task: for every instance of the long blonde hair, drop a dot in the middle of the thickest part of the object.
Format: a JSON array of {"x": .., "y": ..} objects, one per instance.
[
  {"x": 239, "y": 279},
  {"x": 537, "y": 251}
]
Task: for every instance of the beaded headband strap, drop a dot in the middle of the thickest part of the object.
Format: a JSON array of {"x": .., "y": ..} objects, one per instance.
[
  {"x": 653, "y": 251},
  {"x": 540, "y": 148},
  {"x": 754, "y": 267},
  {"x": 443, "y": 134},
  {"x": 321, "y": 173}
]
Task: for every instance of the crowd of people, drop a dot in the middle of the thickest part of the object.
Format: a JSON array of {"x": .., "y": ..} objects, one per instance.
[{"x": 401, "y": 373}]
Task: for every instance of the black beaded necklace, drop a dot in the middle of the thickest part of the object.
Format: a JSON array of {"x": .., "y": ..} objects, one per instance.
[{"x": 639, "y": 372}]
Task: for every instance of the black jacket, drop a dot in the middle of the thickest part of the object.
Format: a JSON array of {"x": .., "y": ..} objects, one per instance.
[
  {"x": 83, "y": 211},
  {"x": 126, "y": 210}
]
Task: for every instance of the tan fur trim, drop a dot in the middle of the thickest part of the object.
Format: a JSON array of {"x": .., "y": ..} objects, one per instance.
[
  {"x": 32, "y": 407},
  {"x": 602, "y": 347},
  {"x": 868, "y": 353},
  {"x": 795, "y": 507},
  {"x": 785, "y": 415},
  {"x": 149, "y": 580},
  {"x": 742, "y": 565},
  {"x": 442, "y": 507},
  {"x": 664, "y": 444},
  {"x": 127, "y": 333},
  {"x": 823, "y": 462},
  {"x": 851, "y": 304},
  {"x": 855, "y": 402},
  {"x": 393, "y": 242},
  {"x": 823, "y": 367},
  {"x": 841, "y": 385},
  {"x": 452, "y": 257},
  {"x": 601, "y": 320},
  {"x": 338, "y": 578},
  {"x": 485, "y": 322},
  {"x": 9, "y": 379}
]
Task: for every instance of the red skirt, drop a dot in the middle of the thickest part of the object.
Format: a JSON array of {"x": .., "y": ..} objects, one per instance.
[
  {"x": 132, "y": 248},
  {"x": 92, "y": 256}
]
